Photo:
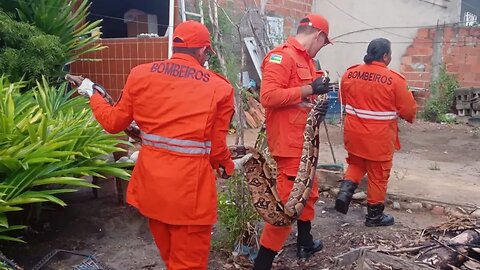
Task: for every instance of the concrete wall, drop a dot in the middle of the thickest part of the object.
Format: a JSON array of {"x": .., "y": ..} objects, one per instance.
[{"x": 353, "y": 24}]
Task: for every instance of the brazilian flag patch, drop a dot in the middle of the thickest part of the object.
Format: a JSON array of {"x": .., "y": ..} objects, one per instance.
[{"x": 276, "y": 58}]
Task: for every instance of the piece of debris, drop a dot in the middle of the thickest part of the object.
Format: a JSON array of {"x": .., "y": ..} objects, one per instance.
[
  {"x": 396, "y": 206},
  {"x": 476, "y": 213},
  {"x": 438, "y": 210},
  {"x": 359, "y": 196},
  {"x": 454, "y": 244},
  {"x": 334, "y": 191},
  {"x": 415, "y": 206}
]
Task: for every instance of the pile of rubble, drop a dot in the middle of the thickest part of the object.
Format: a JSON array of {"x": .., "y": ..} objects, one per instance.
[{"x": 453, "y": 245}]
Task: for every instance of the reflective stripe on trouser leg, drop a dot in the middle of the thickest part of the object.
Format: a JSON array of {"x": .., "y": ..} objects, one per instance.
[
  {"x": 378, "y": 173},
  {"x": 189, "y": 246}
]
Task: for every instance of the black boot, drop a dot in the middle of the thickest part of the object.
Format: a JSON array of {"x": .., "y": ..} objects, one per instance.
[
  {"x": 264, "y": 259},
  {"x": 376, "y": 217},
  {"x": 306, "y": 246},
  {"x": 344, "y": 197}
]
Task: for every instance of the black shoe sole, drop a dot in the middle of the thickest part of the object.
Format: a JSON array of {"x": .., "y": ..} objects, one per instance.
[
  {"x": 379, "y": 224},
  {"x": 308, "y": 254},
  {"x": 341, "y": 206}
]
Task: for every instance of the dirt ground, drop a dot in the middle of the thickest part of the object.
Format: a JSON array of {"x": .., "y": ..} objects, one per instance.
[{"x": 119, "y": 237}]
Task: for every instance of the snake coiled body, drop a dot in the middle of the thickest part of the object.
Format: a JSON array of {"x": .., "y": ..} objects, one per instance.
[{"x": 262, "y": 183}]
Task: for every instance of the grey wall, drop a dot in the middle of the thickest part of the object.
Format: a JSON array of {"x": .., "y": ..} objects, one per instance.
[{"x": 353, "y": 23}]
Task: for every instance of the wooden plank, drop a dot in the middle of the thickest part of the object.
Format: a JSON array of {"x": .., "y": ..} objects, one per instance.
[
  {"x": 255, "y": 104},
  {"x": 252, "y": 103},
  {"x": 395, "y": 262},
  {"x": 259, "y": 119},
  {"x": 255, "y": 111},
  {"x": 259, "y": 115},
  {"x": 251, "y": 111},
  {"x": 251, "y": 122}
]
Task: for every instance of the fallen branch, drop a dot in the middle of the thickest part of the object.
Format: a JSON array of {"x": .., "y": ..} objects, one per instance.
[
  {"x": 456, "y": 251},
  {"x": 406, "y": 250}
]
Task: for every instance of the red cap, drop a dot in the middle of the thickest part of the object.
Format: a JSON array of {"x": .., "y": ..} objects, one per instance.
[
  {"x": 191, "y": 34},
  {"x": 317, "y": 21}
]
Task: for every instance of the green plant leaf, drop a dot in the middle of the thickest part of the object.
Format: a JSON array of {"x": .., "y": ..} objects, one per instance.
[
  {"x": 9, "y": 238},
  {"x": 7, "y": 208},
  {"x": 3, "y": 220}
]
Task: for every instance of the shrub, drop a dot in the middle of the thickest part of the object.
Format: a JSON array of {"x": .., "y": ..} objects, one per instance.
[
  {"x": 48, "y": 142},
  {"x": 443, "y": 98}
]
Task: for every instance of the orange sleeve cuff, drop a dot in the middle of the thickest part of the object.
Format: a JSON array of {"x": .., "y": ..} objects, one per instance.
[{"x": 229, "y": 167}]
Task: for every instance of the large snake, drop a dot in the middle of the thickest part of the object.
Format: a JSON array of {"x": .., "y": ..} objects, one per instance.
[
  {"x": 261, "y": 179},
  {"x": 260, "y": 173}
]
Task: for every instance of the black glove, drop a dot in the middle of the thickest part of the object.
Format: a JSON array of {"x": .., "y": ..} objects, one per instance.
[
  {"x": 320, "y": 85},
  {"x": 324, "y": 108}
]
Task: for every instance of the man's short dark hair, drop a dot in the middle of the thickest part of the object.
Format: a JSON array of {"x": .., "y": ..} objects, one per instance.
[
  {"x": 306, "y": 29},
  {"x": 189, "y": 51}
]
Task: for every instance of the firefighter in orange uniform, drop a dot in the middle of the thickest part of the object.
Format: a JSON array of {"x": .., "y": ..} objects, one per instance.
[
  {"x": 374, "y": 98},
  {"x": 183, "y": 111},
  {"x": 289, "y": 80}
]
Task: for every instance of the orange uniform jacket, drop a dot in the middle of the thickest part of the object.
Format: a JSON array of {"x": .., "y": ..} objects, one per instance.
[
  {"x": 285, "y": 69},
  {"x": 374, "y": 97},
  {"x": 183, "y": 111}
]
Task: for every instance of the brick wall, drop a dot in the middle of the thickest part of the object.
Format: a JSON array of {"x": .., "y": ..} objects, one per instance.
[
  {"x": 292, "y": 11},
  {"x": 113, "y": 64},
  {"x": 461, "y": 55}
]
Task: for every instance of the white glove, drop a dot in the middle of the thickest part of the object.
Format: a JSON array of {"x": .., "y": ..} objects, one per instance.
[
  {"x": 134, "y": 156},
  {"x": 239, "y": 162},
  {"x": 86, "y": 88}
]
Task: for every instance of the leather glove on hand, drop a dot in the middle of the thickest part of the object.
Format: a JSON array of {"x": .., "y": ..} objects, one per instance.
[
  {"x": 86, "y": 88},
  {"x": 239, "y": 162},
  {"x": 320, "y": 85}
]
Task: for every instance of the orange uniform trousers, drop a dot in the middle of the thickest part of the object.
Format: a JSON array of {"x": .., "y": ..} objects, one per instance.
[
  {"x": 190, "y": 243},
  {"x": 377, "y": 172},
  {"x": 274, "y": 237}
]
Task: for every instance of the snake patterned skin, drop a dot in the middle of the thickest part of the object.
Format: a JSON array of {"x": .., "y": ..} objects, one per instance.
[{"x": 261, "y": 180}]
